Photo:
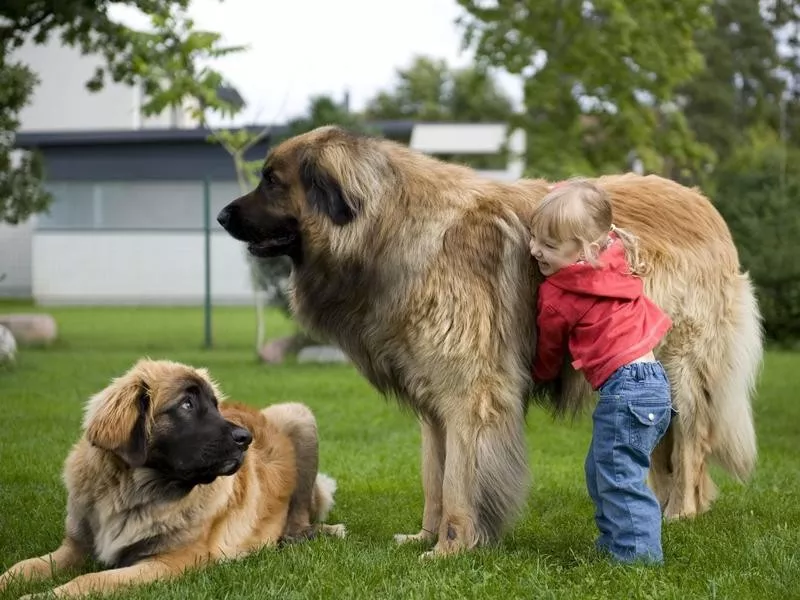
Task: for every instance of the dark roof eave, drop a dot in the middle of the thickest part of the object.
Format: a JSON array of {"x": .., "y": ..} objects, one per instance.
[{"x": 45, "y": 139}]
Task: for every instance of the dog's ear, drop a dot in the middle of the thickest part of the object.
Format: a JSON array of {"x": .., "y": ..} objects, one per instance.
[
  {"x": 325, "y": 194},
  {"x": 117, "y": 419}
]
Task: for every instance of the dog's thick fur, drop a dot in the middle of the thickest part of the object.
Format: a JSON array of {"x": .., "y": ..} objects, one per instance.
[
  {"x": 168, "y": 476},
  {"x": 420, "y": 271}
]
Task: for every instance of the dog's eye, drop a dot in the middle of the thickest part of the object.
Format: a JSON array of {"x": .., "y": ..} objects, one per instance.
[
  {"x": 187, "y": 404},
  {"x": 269, "y": 178}
]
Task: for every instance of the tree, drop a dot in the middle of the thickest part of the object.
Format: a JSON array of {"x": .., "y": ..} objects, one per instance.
[
  {"x": 783, "y": 17},
  {"x": 758, "y": 187},
  {"x": 429, "y": 90},
  {"x": 739, "y": 87},
  {"x": 599, "y": 78},
  {"x": 165, "y": 60}
]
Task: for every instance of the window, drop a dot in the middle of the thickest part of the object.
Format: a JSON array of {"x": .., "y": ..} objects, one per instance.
[{"x": 140, "y": 205}]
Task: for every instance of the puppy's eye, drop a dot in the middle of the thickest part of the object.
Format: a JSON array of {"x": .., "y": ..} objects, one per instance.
[{"x": 187, "y": 404}]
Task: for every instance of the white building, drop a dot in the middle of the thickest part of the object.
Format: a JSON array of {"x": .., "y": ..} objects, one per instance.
[
  {"x": 127, "y": 224},
  {"x": 61, "y": 103}
]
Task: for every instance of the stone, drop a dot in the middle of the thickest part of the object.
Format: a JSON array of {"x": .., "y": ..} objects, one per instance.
[
  {"x": 31, "y": 328},
  {"x": 8, "y": 345},
  {"x": 322, "y": 354},
  {"x": 274, "y": 351}
]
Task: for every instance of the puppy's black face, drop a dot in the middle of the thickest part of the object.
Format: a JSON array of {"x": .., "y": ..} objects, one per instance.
[{"x": 192, "y": 443}]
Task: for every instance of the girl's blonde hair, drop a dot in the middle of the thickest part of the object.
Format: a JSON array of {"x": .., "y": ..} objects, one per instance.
[{"x": 577, "y": 210}]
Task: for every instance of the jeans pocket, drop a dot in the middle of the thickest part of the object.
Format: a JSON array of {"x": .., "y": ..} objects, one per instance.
[{"x": 647, "y": 424}]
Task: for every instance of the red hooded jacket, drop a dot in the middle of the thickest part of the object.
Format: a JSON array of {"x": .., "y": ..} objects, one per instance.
[{"x": 600, "y": 315}]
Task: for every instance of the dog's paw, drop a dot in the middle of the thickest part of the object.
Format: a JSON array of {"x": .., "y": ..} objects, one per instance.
[
  {"x": 338, "y": 530},
  {"x": 406, "y": 538},
  {"x": 300, "y": 535}
]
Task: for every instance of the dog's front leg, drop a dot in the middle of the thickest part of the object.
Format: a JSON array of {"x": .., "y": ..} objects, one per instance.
[
  {"x": 159, "y": 567},
  {"x": 485, "y": 475},
  {"x": 67, "y": 556},
  {"x": 433, "y": 459}
]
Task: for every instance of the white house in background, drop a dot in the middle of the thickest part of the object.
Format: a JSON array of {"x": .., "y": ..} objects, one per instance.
[
  {"x": 62, "y": 103},
  {"x": 127, "y": 222}
]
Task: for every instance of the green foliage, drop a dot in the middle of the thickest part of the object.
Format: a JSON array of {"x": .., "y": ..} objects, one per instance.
[
  {"x": 21, "y": 194},
  {"x": 324, "y": 110},
  {"x": 429, "y": 90},
  {"x": 165, "y": 60},
  {"x": 599, "y": 78},
  {"x": 757, "y": 192},
  {"x": 738, "y": 87}
]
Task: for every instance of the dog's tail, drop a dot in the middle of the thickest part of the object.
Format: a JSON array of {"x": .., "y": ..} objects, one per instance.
[
  {"x": 733, "y": 440},
  {"x": 322, "y": 497}
]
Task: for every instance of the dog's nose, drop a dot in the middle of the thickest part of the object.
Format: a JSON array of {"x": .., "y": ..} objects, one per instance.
[
  {"x": 224, "y": 216},
  {"x": 241, "y": 436}
]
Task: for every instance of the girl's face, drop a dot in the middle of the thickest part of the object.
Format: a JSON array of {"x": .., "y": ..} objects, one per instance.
[{"x": 552, "y": 256}]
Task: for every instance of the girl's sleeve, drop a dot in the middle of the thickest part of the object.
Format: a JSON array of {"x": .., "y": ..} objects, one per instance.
[{"x": 551, "y": 344}]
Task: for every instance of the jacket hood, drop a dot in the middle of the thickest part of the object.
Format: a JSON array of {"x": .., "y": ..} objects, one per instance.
[{"x": 610, "y": 279}]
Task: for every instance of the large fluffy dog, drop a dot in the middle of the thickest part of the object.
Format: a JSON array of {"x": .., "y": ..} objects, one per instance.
[
  {"x": 167, "y": 476},
  {"x": 420, "y": 271}
]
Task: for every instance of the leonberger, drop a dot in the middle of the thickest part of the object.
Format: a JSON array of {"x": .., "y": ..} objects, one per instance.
[
  {"x": 420, "y": 271},
  {"x": 169, "y": 476}
]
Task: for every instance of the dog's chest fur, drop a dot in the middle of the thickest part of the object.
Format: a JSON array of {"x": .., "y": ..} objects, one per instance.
[
  {"x": 123, "y": 517},
  {"x": 411, "y": 305}
]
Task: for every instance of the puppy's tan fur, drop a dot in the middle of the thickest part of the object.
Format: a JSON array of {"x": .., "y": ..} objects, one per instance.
[
  {"x": 112, "y": 506},
  {"x": 420, "y": 271}
]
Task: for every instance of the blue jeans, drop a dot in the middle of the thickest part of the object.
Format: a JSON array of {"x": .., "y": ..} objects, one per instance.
[{"x": 632, "y": 415}]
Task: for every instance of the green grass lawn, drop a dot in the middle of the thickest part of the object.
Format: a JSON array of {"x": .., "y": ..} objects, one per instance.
[{"x": 748, "y": 546}]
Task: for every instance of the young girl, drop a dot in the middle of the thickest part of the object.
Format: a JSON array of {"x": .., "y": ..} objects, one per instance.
[{"x": 592, "y": 305}]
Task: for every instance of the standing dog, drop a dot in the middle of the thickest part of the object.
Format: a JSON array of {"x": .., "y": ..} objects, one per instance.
[
  {"x": 167, "y": 476},
  {"x": 420, "y": 271}
]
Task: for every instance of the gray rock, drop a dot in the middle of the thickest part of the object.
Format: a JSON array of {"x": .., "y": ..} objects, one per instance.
[
  {"x": 321, "y": 354},
  {"x": 8, "y": 345},
  {"x": 31, "y": 328}
]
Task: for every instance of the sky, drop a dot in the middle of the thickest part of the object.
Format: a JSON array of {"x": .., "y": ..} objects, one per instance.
[{"x": 298, "y": 48}]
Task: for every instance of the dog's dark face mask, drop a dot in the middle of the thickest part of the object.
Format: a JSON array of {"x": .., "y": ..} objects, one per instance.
[
  {"x": 294, "y": 184},
  {"x": 191, "y": 443}
]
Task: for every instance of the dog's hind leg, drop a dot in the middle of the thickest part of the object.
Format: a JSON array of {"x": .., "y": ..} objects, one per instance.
[
  {"x": 66, "y": 556},
  {"x": 661, "y": 471},
  {"x": 298, "y": 422},
  {"x": 433, "y": 461},
  {"x": 691, "y": 489}
]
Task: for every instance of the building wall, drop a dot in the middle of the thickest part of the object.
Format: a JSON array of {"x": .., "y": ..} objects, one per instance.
[
  {"x": 135, "y": 267},
  {"x": 16, "y": 260},
  {"x": 61, "y": 101}
]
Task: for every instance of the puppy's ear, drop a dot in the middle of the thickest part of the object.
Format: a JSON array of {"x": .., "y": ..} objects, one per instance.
[
  {"x": 325, "y": 194},
  {"x": 117, "y": 419}
]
